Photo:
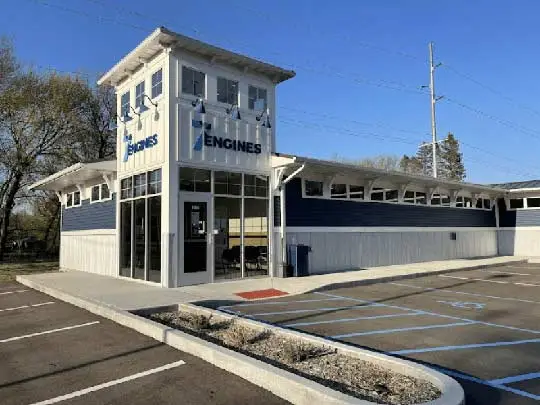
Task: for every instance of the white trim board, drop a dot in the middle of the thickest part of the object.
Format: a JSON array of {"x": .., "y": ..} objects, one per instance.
[
  {"x": 382, "y": 229},
  {"x": 90, "y": 232},
  {"x": 520, "y": 228}
]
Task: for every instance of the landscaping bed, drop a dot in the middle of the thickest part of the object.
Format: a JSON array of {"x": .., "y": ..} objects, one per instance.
[{"x": 322, "y": 364}]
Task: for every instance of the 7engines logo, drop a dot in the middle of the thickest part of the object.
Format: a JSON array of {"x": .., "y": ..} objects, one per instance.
[{"x": 143, "y": 144}]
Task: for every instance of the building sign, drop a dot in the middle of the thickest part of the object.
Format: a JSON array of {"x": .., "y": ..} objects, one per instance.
[
  {"x": 212, "y": 141},
  {"x": 139, "y": 146}
]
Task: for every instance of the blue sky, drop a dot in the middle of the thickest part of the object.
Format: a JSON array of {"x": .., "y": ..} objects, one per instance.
[{"x": 359, "y": 64}]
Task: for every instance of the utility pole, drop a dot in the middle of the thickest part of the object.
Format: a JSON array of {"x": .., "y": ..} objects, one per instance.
[{"x": 434, "y": 99}]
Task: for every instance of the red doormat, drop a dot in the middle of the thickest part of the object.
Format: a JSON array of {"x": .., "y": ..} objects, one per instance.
[{"x": 252, "y": 295}]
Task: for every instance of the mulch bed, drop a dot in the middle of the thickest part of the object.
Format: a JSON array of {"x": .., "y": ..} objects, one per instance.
[{"x": 338, "y": 371}]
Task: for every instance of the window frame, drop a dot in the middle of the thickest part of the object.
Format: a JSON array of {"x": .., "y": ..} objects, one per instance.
[
  {"x": 193, "y": 71},
  {"x": 100, "y": 193},
  {"x": 139, "y": 98},
  {"x": 258, "y": 89},
  {"x": 127, "y": 105},
  {"x": 227, "y": 102},
  {"x": 153, "y": 86},
  {"x": 304, "y": 195},
  {"x": 72, "y": 196},
  {"x": 146, "y": 185}
]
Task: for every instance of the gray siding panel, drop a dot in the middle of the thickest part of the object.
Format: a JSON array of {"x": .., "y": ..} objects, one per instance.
[
  {"x": 101, "y": 215},
  {"x": 510, "y": 219},
  {"x": 305, "y": 212}
]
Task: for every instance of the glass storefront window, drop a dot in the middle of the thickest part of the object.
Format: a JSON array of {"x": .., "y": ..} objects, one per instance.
[
  {"x": 227, "y": 183},
  {"x": 125, "y": 239},
  {"x": 194, "y": 180},
  {"x": 255, "y": 186},
  {"x": 154, "y": 182},
  {"x": 154, "y": 238},
  {"x": 126, "y": 190},
  {"x": 139, "y": 185},
  {"x": 227, "y": 237},
  {"x": 255, "y": 237}
]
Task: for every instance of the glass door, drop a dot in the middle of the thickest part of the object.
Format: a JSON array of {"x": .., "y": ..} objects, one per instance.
[{"x": 196, "y": 239}]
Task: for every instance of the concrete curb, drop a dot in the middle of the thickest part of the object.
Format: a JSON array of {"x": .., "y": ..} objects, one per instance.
[
  {"x": 291, "y": 387},
  {"x": 384, "y": 279}
]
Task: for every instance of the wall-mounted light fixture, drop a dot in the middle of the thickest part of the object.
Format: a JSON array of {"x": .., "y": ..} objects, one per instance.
[
  {"x": 199, "y": 106},
  {"x": 266, "y": 123},
  {"x": 234, "y": 112},
  {"x": 145, "y": 108}
]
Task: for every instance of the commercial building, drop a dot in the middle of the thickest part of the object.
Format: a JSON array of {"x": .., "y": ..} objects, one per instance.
[{"x": 199, "y": 194}]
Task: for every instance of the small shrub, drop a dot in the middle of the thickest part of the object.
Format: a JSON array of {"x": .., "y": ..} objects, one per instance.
[
  {"x": 199, "y": 322},
  {"x": 239, "y": 336},
  {"x": 297, "y": 351}
]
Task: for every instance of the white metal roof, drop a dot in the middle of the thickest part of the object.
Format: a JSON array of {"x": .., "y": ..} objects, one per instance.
[
  {"x": 75, "y": 174},
  {"x": 164, "y": 38},
  {"x": 332, "y": 168}
]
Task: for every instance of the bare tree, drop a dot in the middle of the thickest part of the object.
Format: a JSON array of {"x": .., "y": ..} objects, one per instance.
[
  {"x": 384, "y": 162},
  {"x": 38, "y": 114}
]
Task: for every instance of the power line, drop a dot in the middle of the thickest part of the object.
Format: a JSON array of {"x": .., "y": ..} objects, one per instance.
[
  {"x": 491, "y": 90},
  {"x": 379, "y": 83},
  {"x": 507, "y": 123}
]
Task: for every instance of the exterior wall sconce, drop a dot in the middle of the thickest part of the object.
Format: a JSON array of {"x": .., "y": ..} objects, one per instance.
[
  {"x": 266, "y": 123},
  {"x": 199, "y": 106},
  {"x": 234, "y": 112}
]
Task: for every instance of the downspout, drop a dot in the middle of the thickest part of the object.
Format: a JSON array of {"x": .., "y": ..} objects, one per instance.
[{"x": 282, "y": 233}]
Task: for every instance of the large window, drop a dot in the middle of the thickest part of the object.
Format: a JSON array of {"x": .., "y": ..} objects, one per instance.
[
  {"x": 338, "y": 191},
  {"x": 194, "y": 180},
  {"x": 227, "y": 91},
  {"x": 157, "y": 83},
  {"x": 100, "y": 192},
  {"x": 313, "y": 188},
  {"x": 193, "y": 82},
  {"x": 227, "y": 183},
  {"x": 255, "y": 186},
  {"x": 140, "y": 226},
  {"x": 257, "y": 98}
]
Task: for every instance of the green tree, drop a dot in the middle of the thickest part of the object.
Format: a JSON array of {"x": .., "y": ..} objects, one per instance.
[{"x": 451, "y": 160}]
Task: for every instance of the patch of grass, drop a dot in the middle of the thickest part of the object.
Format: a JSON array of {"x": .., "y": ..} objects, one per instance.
[{"x": 8, "y": 271}]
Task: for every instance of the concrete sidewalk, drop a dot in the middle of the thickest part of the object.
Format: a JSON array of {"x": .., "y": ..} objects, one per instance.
[{"x": 129, "y": 295}]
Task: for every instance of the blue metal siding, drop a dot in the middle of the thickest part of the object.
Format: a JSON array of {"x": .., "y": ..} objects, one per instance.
[
  {"x": 88, "y": 216},
  {"x": 325, "y": 212},
  {"x": 511, "y": 219}
]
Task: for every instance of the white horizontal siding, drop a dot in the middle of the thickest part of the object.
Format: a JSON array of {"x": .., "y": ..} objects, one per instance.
[
  {"x": 522, "y": 241},
  {"x": 93, "y": 251},
  {"x": 335, "y": 251}
]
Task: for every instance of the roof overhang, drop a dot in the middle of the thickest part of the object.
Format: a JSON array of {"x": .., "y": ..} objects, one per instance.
[
  {"x": 330, "y": 169},
  {"x": 163, "y": 38},
  {"x": 75, "y": 174}
]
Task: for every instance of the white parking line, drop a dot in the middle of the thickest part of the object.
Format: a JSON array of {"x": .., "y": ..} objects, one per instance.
[
  {"x": 12, "y": 292},
  {"x": 395, "y": 330},
  {"x": 253, "y": 304},
  {"x": 301, "y": 311},
  {"x": 112, "y": 383},
  {"x": 506, "y": 272},
  {"x": 444, "y": 290},
  {"x": 360, "y": 318},
  {"x": 515, "y": 378},
  {"x": 46, "y": 332},
  {"x": 26, "y": 306},
  {"x": 490, "y": 281}
]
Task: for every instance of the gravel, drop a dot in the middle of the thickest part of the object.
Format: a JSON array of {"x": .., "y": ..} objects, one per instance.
[{"x": 324, "y": 365}]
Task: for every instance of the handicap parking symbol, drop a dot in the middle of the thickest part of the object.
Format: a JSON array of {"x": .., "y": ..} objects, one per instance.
[{"x": 464, "y": 305}]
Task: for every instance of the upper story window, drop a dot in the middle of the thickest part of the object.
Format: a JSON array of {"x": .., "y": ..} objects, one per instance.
[
  {"x": 157, "y": 83},
  {"x": 516, "y": 203},
  {"x": 100, "y": 192},
  {"x": 338, "y": 191},
  {"x": 313, "y": 188},
  {"x": 257, "y": 98},
  {"x": 124, "y": 104},
  {"x": 140, "y": 185},
  {"x": 139, "y": 94},
  {"x": 227, "y": 91},
  {"x": 193, "y": 82},
  {"x": 73, "y": 199},
  {"x": 533, "y": 202}
]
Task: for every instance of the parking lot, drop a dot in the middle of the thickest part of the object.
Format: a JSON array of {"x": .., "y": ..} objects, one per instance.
[
  {"x": 53, "y": 352},
  {"x": 479, "y": 326}
]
